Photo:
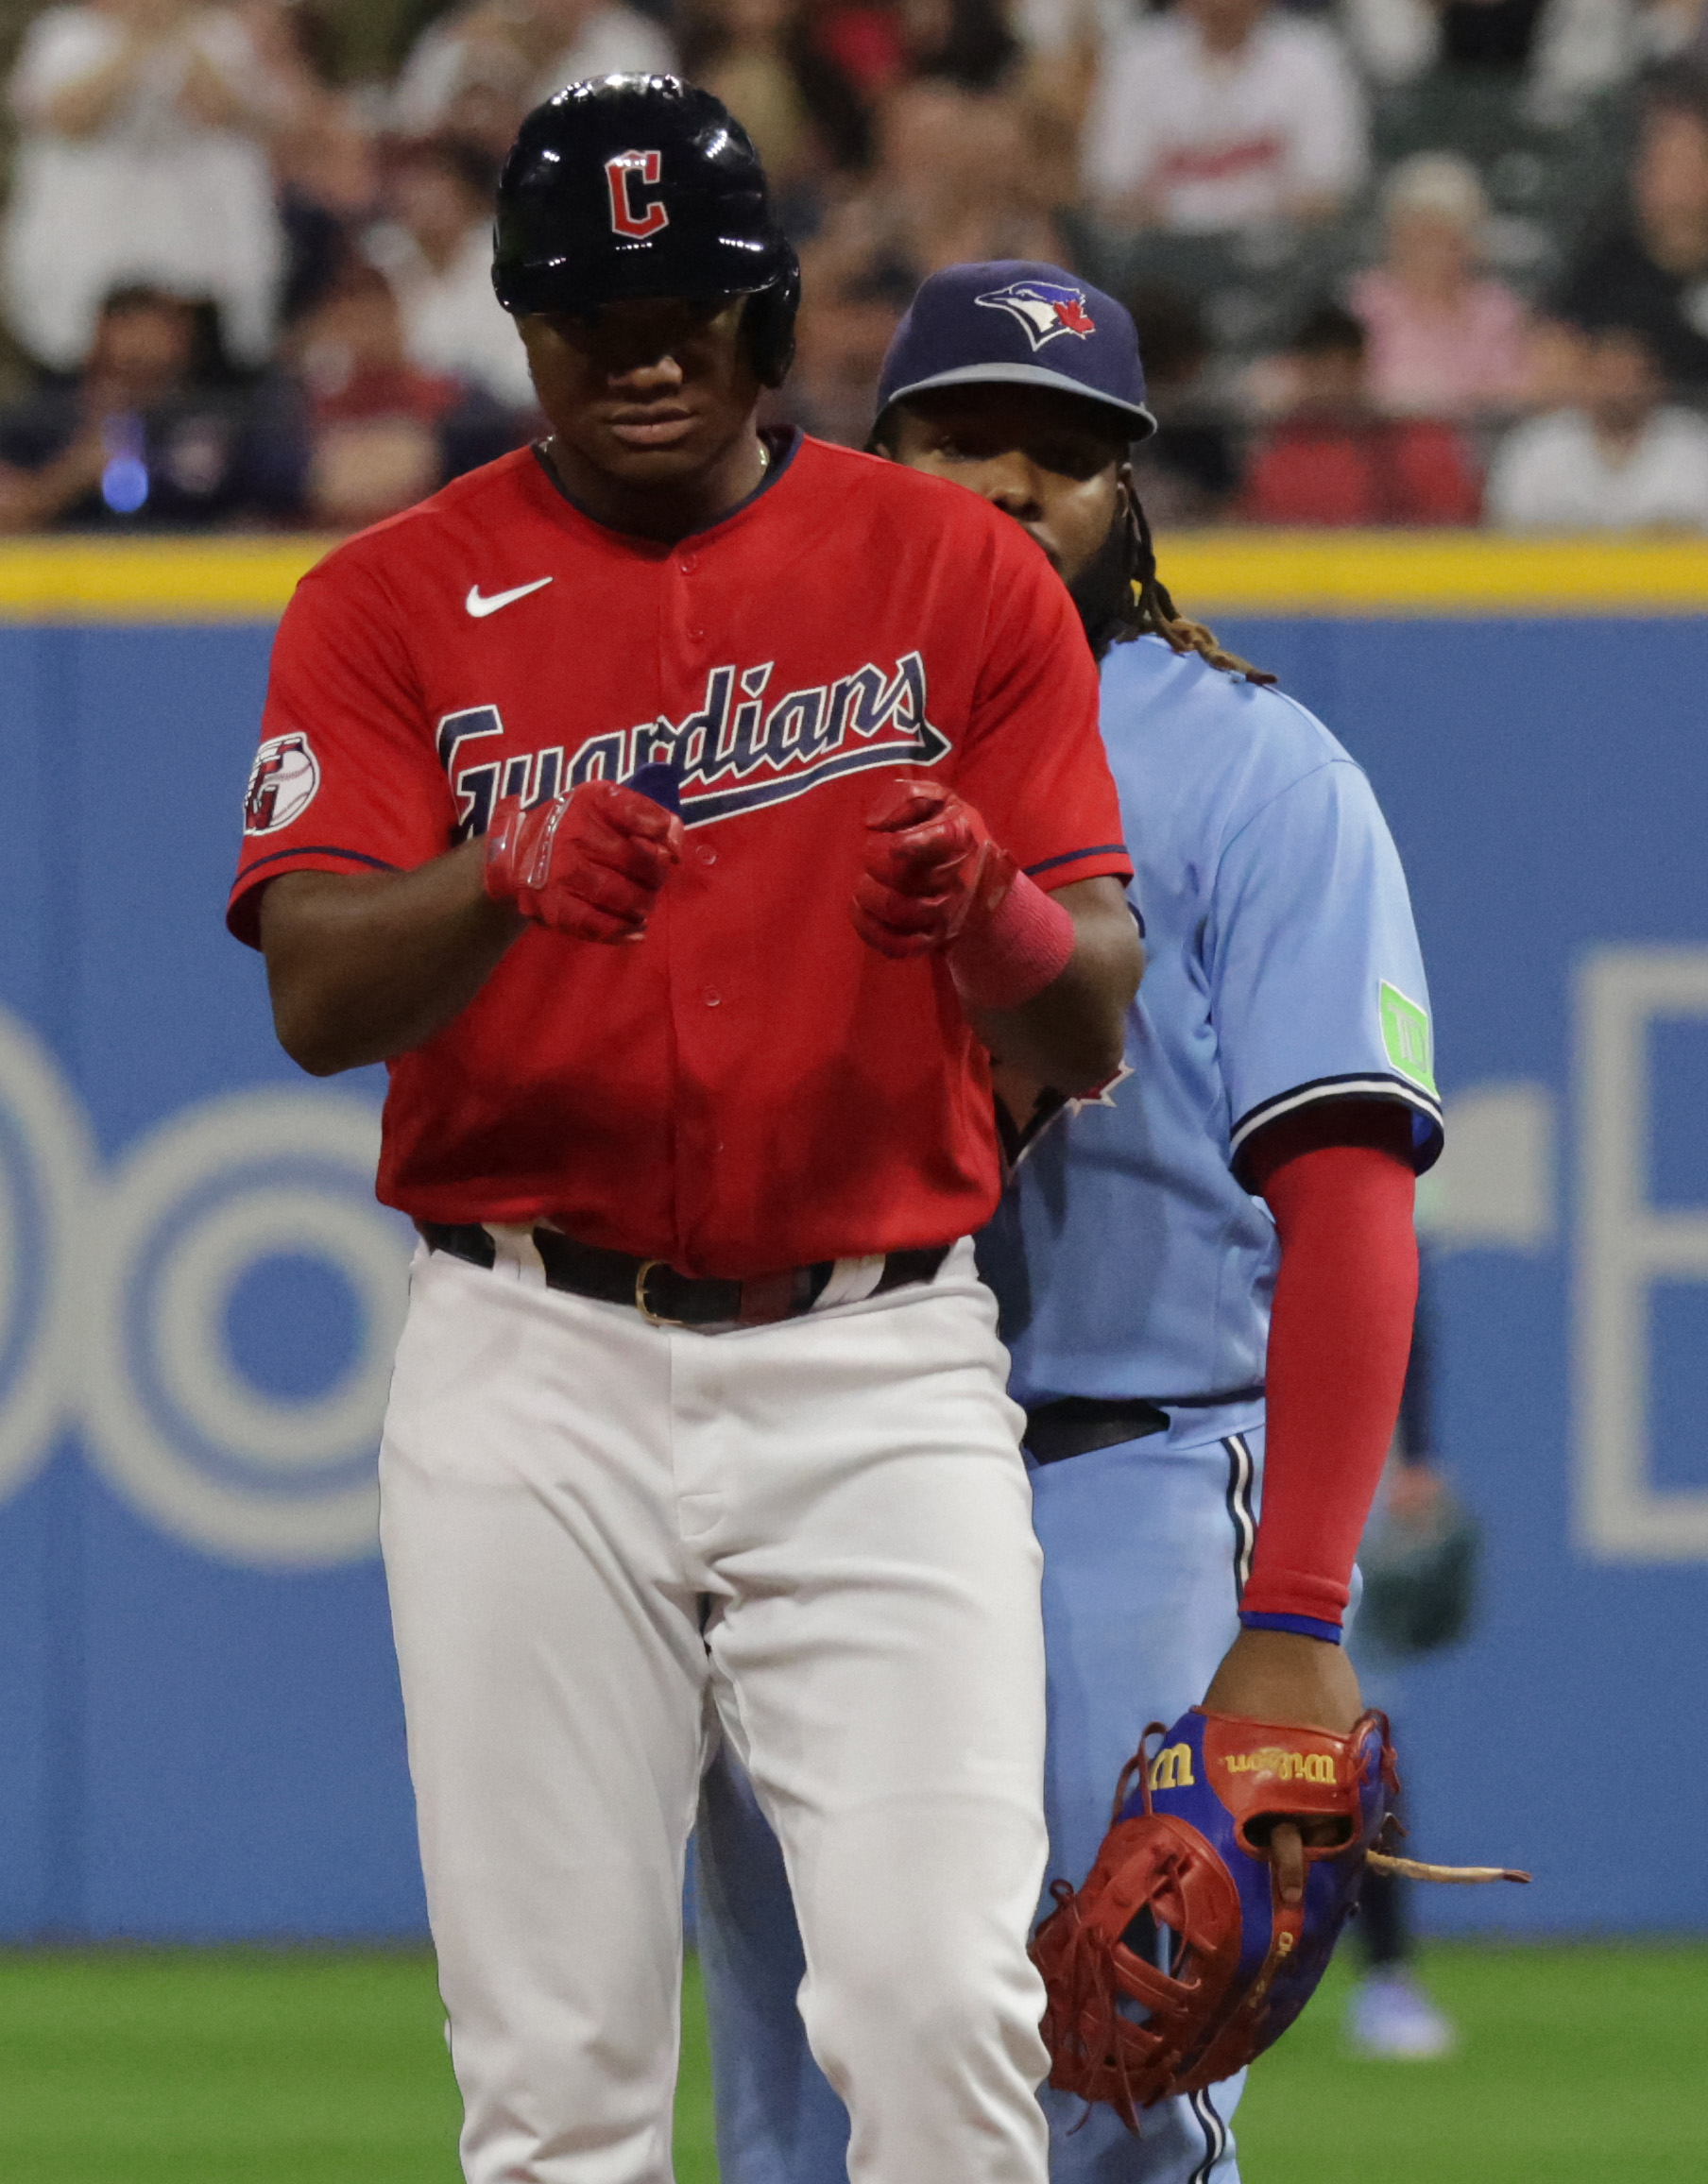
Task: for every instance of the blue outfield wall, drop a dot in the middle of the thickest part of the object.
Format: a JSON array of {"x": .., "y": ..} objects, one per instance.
[
  {"x": 199, "y": 1710},
  {"x": 198, "y": 1707}
]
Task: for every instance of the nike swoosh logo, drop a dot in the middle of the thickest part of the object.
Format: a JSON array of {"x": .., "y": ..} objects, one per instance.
[{"x": 481, "y": 608}]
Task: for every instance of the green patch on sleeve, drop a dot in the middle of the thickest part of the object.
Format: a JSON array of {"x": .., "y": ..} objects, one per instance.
[{"x": 1406, "y": 1036}]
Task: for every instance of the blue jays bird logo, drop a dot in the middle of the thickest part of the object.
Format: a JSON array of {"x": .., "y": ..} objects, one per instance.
[{"x": 1045, "y": 310}]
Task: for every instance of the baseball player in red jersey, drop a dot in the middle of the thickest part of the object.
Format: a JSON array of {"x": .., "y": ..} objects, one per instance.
[{"x": 682, "y": 814}]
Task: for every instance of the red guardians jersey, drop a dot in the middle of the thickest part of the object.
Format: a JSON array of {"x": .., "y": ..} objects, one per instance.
[{"x": 749, "y": 1087}]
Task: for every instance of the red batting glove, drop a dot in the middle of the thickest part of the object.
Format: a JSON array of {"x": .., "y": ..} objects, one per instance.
[
  {"x": 930, "y": 868},
  {"x": 589, "y": 864},
  {"x": 935, "y": 881}
]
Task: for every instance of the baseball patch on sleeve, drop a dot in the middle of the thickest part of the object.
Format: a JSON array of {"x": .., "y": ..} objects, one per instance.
[
  {"x": 1405, "y": 1037},
  {"x": 283, "y": 782}
]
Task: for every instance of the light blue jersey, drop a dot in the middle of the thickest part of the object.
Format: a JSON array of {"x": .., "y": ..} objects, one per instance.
[
  {"x": 1131, "y": 1262},
  {"x": 1128, "y": 1259}
]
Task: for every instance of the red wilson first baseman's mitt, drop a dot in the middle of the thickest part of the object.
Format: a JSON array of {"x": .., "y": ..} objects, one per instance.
[{"x": 1177, "y": 1962}]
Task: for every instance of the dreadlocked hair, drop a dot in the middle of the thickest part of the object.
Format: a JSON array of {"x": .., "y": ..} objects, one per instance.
[{"x": 1148, "y": 611}]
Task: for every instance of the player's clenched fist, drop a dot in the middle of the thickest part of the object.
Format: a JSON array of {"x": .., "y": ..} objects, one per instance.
[
  {"x": 930, "y": 867},
  {"x": 589, "y": 863},
  {"x": 935, "y": 881}
]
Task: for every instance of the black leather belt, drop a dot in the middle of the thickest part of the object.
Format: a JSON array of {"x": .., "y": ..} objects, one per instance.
[
  {"x": 1075, "y": 1425},
  {"x": 662, "y": 1295}
]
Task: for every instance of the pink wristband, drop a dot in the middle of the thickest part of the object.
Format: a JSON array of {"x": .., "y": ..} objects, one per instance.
[{"x": 1024, "y": 946}]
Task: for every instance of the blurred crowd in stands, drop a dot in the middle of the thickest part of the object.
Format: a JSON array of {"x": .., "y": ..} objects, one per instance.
[{"x": 1403, "y": 261}]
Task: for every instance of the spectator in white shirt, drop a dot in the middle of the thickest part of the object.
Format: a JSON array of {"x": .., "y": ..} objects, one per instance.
[
  {"x": 1620, "y": 459},
  {"x": 140, "y": 160},
  {"x": 477, "y": 71},
  {"x": 435, "y": 249},
  {"x": 1564, "y": 52},
  {"x": 1223, "y": 115}
]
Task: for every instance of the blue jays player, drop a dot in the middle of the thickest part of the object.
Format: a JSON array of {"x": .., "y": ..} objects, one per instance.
[{"x": 1216, "y": 1259}]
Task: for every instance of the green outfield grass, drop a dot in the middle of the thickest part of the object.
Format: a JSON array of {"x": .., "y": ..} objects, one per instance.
[{"x": 1584, "y": 2065}]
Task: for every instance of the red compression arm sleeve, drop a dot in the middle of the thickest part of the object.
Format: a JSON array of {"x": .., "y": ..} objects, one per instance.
[{"x": 1340, "y": 1188}]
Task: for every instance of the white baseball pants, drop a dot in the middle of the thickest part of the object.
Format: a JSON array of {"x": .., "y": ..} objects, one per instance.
[{"x": 603, "y": 1540}]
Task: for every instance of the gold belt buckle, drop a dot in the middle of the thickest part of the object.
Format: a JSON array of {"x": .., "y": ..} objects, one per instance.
[{"x": 653, "y": 1319}]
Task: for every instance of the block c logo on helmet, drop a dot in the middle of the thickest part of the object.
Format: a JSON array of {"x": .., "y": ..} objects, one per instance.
[{"x": 629, "y": 217}]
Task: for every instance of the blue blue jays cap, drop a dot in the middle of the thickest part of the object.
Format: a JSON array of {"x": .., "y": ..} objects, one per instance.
[{"x": 1010, "y": 322}]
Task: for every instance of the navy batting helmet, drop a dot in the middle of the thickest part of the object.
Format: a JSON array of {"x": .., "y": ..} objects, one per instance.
[{"x": 639, "y": 186}]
